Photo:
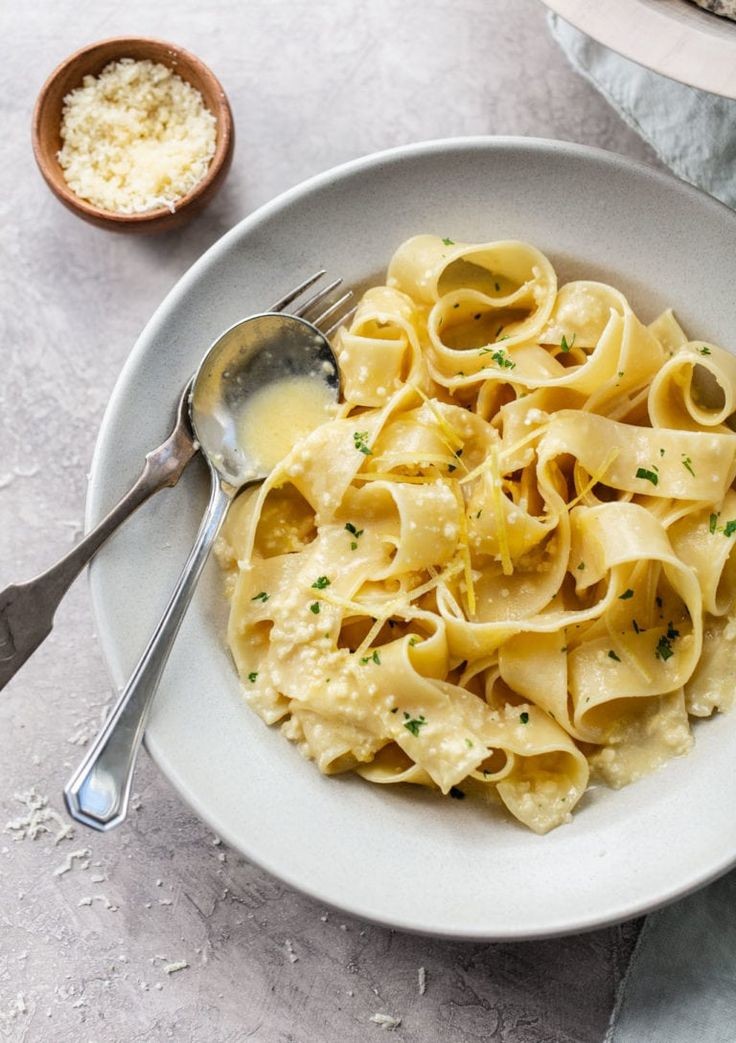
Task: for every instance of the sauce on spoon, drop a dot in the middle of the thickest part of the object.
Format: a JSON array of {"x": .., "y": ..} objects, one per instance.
[{"x": 281, "y": 414}]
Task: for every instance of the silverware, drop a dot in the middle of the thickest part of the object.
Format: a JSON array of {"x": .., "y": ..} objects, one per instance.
[
  {"x": 245, "y": 359},
  {"x": 27, "y": 609}
]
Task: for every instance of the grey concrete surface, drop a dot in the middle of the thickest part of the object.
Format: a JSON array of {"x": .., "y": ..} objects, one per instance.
[{"x": 84, "y": 953}]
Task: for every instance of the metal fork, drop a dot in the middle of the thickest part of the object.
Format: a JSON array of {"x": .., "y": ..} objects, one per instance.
[{"x": 27, "y": 609}]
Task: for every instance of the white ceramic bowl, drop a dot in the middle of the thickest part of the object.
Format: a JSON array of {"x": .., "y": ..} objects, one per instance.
[
  {"x": 403, "y": 856},
  {"x": 672, "y": 37}
]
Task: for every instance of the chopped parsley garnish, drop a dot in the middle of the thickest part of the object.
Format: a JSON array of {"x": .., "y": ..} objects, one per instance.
[
  {"x": 469, "y": 743},
  {"x": 648, "y": 476},
  {"x": 663, "y": 650},
  {"x": 360, "y": 439},
  {"x": 413, "y": 724},
  {"x": 413, "y": 640},
  {"x": 524, "y": 717},
  {"x": 375, "y": 658},
  {"x": 628, "y": 593},
  {"x": 661, "y": 451},
  {"x": 581, "y": 567},
  {"x": 320, "y": 583},
  {"x": 612, "y": 655},
  {"x": 448, "y": 242},
  {"x": 395, "y": 709},
  {"x": 314, "y": 607},
  {"x": 476, "y": 316},
  {"x": 353, "y": 532},
  {"x": 479, "y": 513},
  {"x": 253, "y": 677},
  {"x": 456, "y": 793},
  {"x": 688, "y": 465},
  {"x": 497, "y": 286},
  {"x": 702, "y": 350},
  {"x": 453, "y": 467},
  {"x": 351, "y": 529},
  {"x": 501, "y": 359},
  {"x": 263, "y": 596},
  {"x": 635, "y": 625},
  {"x": 620, "y": 373},
  {"x": 728, "y": 529},
  {"x": 565, "y": 345}
]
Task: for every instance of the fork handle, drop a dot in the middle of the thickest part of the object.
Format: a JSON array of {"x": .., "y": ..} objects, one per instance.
[{"x": 27, "y": 609}]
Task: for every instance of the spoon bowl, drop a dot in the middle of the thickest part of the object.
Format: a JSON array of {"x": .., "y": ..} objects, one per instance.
[{"x": 279, "y": 368}]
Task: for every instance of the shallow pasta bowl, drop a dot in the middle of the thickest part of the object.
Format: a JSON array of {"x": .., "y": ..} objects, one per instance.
[{"x": 402, "y": 856}]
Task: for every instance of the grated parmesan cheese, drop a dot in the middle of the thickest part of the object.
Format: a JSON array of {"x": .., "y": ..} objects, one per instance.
[
  {"x": 174, "y": 968},
  {"x": 422, "y": 980},
  {"x": 386, "y": 1021},
  {"x": 35, "y": 821},
  {"x": 135, "y": 138},
  {"x": 83, "y": 855}
]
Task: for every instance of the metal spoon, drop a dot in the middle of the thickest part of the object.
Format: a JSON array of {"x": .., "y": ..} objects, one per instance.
[{"x": 252, "y": 354}]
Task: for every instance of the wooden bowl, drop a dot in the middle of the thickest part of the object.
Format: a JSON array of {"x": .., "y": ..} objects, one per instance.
[{"x": 91, "y": 60}]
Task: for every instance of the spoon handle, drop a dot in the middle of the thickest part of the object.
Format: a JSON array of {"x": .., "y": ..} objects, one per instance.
[
  {"x": 27, "y": 609},
  {"x": 97, "y": 794}
]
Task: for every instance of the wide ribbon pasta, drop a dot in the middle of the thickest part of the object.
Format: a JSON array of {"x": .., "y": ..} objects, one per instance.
[{"x": 509, "y": 560}]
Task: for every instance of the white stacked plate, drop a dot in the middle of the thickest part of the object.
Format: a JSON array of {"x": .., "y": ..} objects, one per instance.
[{"x": 672, "y": 37}]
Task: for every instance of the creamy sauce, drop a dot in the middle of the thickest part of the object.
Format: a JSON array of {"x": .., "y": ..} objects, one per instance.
[
  {"x": 657, "y": 732},
  {"x": 282, "y": 414}
]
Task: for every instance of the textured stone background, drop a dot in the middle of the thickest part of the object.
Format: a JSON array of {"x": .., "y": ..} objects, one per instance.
[{"x": 311, "y": 84}]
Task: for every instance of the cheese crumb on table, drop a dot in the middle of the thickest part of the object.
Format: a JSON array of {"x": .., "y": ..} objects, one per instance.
[
  {"x": 422, "y": 980},
  {"x": 36, "y": 819},
  {"x": 135, "y": 138},
  {"x": 173, "y": 968},
  {"x": 386, "y": 1021},
  {"x": 82, "y": 855}
]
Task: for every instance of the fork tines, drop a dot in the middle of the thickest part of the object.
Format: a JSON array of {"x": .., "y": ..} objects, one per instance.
[{"x": 334, "y": 309}]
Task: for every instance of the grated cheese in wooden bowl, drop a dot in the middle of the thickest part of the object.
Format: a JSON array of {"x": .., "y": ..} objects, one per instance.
[{"x": 135, "y": 138}]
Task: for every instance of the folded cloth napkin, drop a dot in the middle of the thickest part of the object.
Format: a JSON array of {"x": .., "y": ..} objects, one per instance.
[
  {"x": 693, "y": 132},
  {"x": 681, "y": 983},
  {"x": 680, "y": 986}
]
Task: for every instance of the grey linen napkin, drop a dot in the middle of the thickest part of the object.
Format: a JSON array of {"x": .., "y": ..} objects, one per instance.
[
  {"x": 681, "y": 983},
  {"x": 680, "y": 986}
]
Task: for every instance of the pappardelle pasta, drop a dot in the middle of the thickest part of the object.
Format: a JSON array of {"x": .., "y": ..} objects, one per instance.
[{"x": 507, "y": 565}]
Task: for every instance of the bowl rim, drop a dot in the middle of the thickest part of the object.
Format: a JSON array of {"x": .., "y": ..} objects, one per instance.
[
  {"x": 223, "y": 117},
  {"x": 97, "y": 505}
]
